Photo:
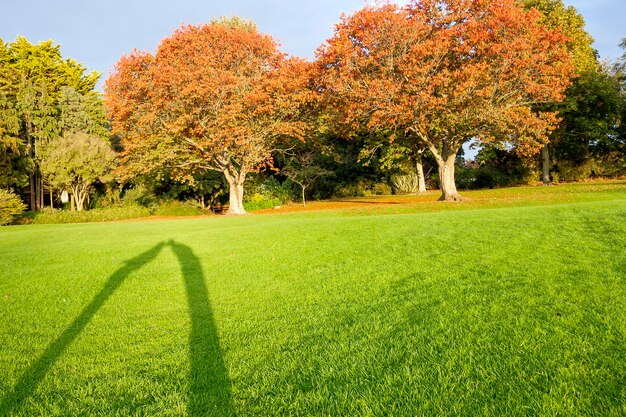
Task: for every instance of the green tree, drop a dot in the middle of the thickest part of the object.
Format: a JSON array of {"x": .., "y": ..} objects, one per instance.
[
  {"x": 81, "y": 113},
  {"x": 75, "y": 161},
  {"x": 14, "y": 164},
  {"x": 589, "y": 134},
  {"x": 584, "y": 58},
  {"x": 302, "y": 166},
  {"x": 567, "y": 19},
  {"x": 31, "y": 80}
]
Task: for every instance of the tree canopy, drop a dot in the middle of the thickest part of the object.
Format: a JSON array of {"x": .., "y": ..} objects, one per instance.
[
  {"x": 213, "y": 96},
  {"x": 447, "y": 72},
  {"x": 34, "y": 78},
  {"x": 77, "y": 160}
]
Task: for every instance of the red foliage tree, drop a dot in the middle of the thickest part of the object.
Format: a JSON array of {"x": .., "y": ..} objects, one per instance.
[
  {"x": 446, "y": 72},
  {"x": 214, "y": 96}
]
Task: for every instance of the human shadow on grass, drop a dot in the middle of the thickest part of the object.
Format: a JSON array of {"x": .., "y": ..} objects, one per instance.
[
  {"x": 209, "y": 383},
  {"x": 210, "y": 388}
]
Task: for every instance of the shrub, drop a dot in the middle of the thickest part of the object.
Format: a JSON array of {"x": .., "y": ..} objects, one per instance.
[
  {"x": 381, "y": 188},
  {"x": 177, "y": 208},
  {"x": 10, "y": 207},
  {"x": 110, "y": 197},
  {"x": 269, "y": 188},
  {"x": 406, "y": 184},
  {"x": 53, "y": 216},
  {"x": 569, "y": 171},
  {"x": 611, "y": 165},
  {"x": 358, "y": 189},
  {"x": 259, "y": 202},
  {"x": 139, "y": 195}
]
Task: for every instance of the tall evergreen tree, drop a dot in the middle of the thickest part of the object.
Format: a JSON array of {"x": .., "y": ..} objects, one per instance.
[{"x": 32, "y": 77}]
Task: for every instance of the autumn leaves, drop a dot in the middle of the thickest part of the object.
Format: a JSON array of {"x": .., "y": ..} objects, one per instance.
[{"x": 435, "y": 74}]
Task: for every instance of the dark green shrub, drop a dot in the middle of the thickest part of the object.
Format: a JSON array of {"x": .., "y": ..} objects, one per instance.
[
  {"x": 381, "y": 188},
  {"x": 569, "y": 171},
  {"x": 140, "y": 195},
  {"x": 269, "y": 188}
]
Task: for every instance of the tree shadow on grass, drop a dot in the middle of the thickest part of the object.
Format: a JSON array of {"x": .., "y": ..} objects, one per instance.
[{"x": 210, "y": 388}]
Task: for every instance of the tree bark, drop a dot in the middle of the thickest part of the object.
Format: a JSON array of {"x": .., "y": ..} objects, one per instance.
[
  {"x": 72, "y": 202},
  {"x": 419, "y": 169},
  {"x": 79, "y": 203},
  {"x": 31, "y": 191},
  {"x": 446, "y": 178},
  {"x": 40, "y": 187},
  {"x": 235, "y": 197},
  {"x": 36, "y": 189},
  {"x": 445, "y": 157},
  {"x": 545, "y": 165},
  {"x": 79, "y": 195}
]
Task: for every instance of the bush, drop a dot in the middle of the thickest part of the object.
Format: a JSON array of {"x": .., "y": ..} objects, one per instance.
[
  {"x": 406, "y": 184},
  {"x": 611, "y": 165},
  {"x": 569, "y": 171},
  {"x": 10, "y": 207},
  {"x": 489, "y": 176},
  {"x": 362, "y": 188},
  {"x": 53, "y": 216},
  {"x": 177, "y": 208},
  {"x": 358, "y": 189},
  {"x": 110, "y": 197},
  {"x": 381, "y": 188},
  {"x": 138, "y": 196},
  {"x": 269, "y": 188},
  {"x": 259, "y": 202}
]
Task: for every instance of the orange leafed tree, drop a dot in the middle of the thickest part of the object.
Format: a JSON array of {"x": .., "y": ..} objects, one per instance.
[
  {"x": 213, "y": 97},
  {"x": 444, "y": 72}
]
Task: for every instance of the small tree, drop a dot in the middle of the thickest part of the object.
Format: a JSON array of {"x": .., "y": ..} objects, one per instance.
[
  {"x": 301, "y": 167},
  {"x": 75, "y": 162}
]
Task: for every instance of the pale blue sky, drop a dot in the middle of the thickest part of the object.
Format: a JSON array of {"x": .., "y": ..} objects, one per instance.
[{"x": 97, "y": 33}]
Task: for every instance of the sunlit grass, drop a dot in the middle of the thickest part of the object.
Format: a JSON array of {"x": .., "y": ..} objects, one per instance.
[{"x": 517, "y": 310}]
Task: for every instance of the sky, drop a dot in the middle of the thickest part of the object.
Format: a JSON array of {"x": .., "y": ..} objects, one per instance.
[{"x": 97, "y": 33}]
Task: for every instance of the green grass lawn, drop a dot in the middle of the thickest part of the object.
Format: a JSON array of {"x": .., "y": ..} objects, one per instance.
[{"x": 469, "y": 310}]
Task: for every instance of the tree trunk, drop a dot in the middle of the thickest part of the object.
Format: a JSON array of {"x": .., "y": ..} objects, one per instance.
[
  {"x": 446, "y": 156},
  {"x": 545, "y": 165},
  {"x": 235, "y": 198},
  {"x": 36, "y": 189},
  {"x": 79, "y": 203},
  {"x": 72, "y": 202},
  {"x": 303, "y": 199},
  {"x": 51, "y": 199},
  {"x": 31, "y": 191},
  {"x": 80, "y": 195},
  {"x": 419, "y": 169},
  {"x": 446, "y": 178},
  {"x": 40, "y": 187}
]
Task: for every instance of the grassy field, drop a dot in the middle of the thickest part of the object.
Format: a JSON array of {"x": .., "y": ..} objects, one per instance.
[{"x": 511, "y": 304}]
